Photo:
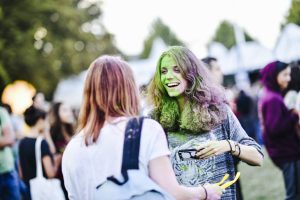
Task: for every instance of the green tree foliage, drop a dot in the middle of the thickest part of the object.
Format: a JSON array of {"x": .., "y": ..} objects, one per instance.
[
  {"x": 43, "y": 41},
  {"x": 294, "y": 13},
  {"x": 225, "y": 35},
  {"x": 159, "y": 30}
]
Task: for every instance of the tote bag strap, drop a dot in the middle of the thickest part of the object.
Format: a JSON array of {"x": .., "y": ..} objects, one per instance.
[
  {"x": 38, "y": 157},
  {"x": 131, "y": 148}
]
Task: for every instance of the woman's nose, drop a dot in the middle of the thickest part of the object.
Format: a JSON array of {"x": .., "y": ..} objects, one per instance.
[{"x": 169, "y": 76}]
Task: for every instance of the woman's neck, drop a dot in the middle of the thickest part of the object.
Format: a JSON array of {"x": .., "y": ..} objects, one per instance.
[
  {"x": 181, "y": 102},
  {"x": 34, "y": 132}
]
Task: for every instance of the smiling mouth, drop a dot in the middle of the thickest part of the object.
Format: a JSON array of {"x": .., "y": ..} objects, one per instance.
[{"x": 171, "y": 85}]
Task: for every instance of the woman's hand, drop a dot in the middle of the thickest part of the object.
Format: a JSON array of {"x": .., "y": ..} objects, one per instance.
[
  {"x": 213, "y": 192},
  {"x": 212, "y": 148}
]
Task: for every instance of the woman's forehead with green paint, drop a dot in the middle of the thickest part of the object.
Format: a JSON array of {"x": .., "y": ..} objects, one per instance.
[{"x": 167, "y": 61}]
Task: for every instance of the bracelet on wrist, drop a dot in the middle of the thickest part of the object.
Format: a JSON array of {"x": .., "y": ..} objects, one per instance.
[
  {"x": 239, "y": 150},
  {"x": 233, "y": 150},
  {"x": 235, "y": 146},
  {"x": 229, "y": 146}
]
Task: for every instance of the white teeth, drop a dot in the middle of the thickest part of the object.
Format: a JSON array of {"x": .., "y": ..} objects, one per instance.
[{"x": 172, "y": 84}]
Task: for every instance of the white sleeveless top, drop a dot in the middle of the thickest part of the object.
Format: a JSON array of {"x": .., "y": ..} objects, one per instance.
[{"x": 86, "y": 167}]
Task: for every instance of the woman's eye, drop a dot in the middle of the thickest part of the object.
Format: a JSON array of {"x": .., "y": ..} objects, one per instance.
[
  {"x": 176, "y": 69},
  {"x": 163, "y": 71}
]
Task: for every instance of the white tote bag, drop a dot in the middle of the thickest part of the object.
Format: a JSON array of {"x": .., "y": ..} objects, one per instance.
[{"x": 40, "y": 187}]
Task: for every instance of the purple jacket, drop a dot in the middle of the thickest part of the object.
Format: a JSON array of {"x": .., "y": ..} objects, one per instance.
[{"x": 279, "y": 124}]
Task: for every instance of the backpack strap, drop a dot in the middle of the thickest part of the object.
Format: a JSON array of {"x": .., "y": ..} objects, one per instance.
[{"x": 131, "y": 149}]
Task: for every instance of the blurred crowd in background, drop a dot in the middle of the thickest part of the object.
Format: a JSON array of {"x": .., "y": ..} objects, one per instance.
[
  {"x": 56, "y": 122},
  {"x": 43, "y": 43}
]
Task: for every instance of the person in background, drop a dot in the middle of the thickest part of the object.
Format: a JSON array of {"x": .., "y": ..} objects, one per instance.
[
  {"x": 95, "y": 153},
  {"x": 36, "y": 119},
  {"x": 245, "y": 112},
  {"x": 61, "y": 120},
  {"x": 38, "y": 101},
  {"x": 230, "y": 91},
  {"x": 292, "y": 96},
  {"x": 191, "y": 106},
  {"x": 9, "y": 184},
  {"x": 279, "y": 126},
  {"x": 255, "y": 93},
  {"x": 214, "y": 68},
  {"x": 16, "y": 121},
  {"x": 17, "y": 125}
]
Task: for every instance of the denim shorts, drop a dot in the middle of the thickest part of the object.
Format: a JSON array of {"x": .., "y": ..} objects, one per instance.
[{"x": 9, "y": 186}]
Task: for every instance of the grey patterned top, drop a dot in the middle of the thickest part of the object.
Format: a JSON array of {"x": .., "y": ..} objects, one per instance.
[{"x": 211, "y": 170}]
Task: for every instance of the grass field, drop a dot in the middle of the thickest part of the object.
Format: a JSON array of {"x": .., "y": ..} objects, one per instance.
[{"x": 262, "y": 183}]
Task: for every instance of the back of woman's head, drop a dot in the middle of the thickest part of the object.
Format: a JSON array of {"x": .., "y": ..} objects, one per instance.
[
  {"x": 32, "y": 115},
  {"x": 109, "y": 91},
  {"x": 208, "y": 60}
]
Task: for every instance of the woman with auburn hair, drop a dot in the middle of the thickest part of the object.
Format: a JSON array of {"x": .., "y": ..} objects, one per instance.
[
  {"x": 94, "y": 155},
  {"x": 193, "y": 110}
]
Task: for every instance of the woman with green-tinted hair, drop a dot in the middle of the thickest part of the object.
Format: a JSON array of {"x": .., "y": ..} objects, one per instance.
[{"x": 193, "y": 110}]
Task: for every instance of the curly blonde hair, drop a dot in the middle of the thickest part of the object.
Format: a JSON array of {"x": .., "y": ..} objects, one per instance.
[{"x": 205, "y": 107}]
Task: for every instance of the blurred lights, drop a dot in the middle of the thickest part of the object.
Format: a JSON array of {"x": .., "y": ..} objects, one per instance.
[
  {"x": 86, "y": 27},
  {"x": 57, "y": 64},
  {"x": 79, "y": 46},
  {"x": 18, "y": 95},
  {"x": 94, "y": 10},
  {"x": 48, "y": 47},
  {"x": 38, "y": 44},
  {"x": 92, "y": 27},
  {"x": 38, "y": 36},
  {"x": 40, "y": 33},
  {"x": 96, "y": 29},
  {"x": 54, "y": 17}
]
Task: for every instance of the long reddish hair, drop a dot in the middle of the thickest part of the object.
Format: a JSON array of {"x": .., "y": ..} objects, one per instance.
[{"x": 109, "y": 91}]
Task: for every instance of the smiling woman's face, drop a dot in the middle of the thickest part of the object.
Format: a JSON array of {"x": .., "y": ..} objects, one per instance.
[
  {"x": 171, "y": 77},
  {"x": 284, "y": 77}
]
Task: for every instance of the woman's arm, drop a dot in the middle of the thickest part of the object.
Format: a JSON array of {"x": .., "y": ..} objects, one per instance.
[
  {"x": 49, "y": 140},
  {"x": 246, "y": 153},
  {"x": 50, "y": 167},
  {"x": 8, "y": 137},
  {"x": 51, "y": 162},
  {"x": 162, "y": 173},
  {"x": 239, "y": 144}
]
